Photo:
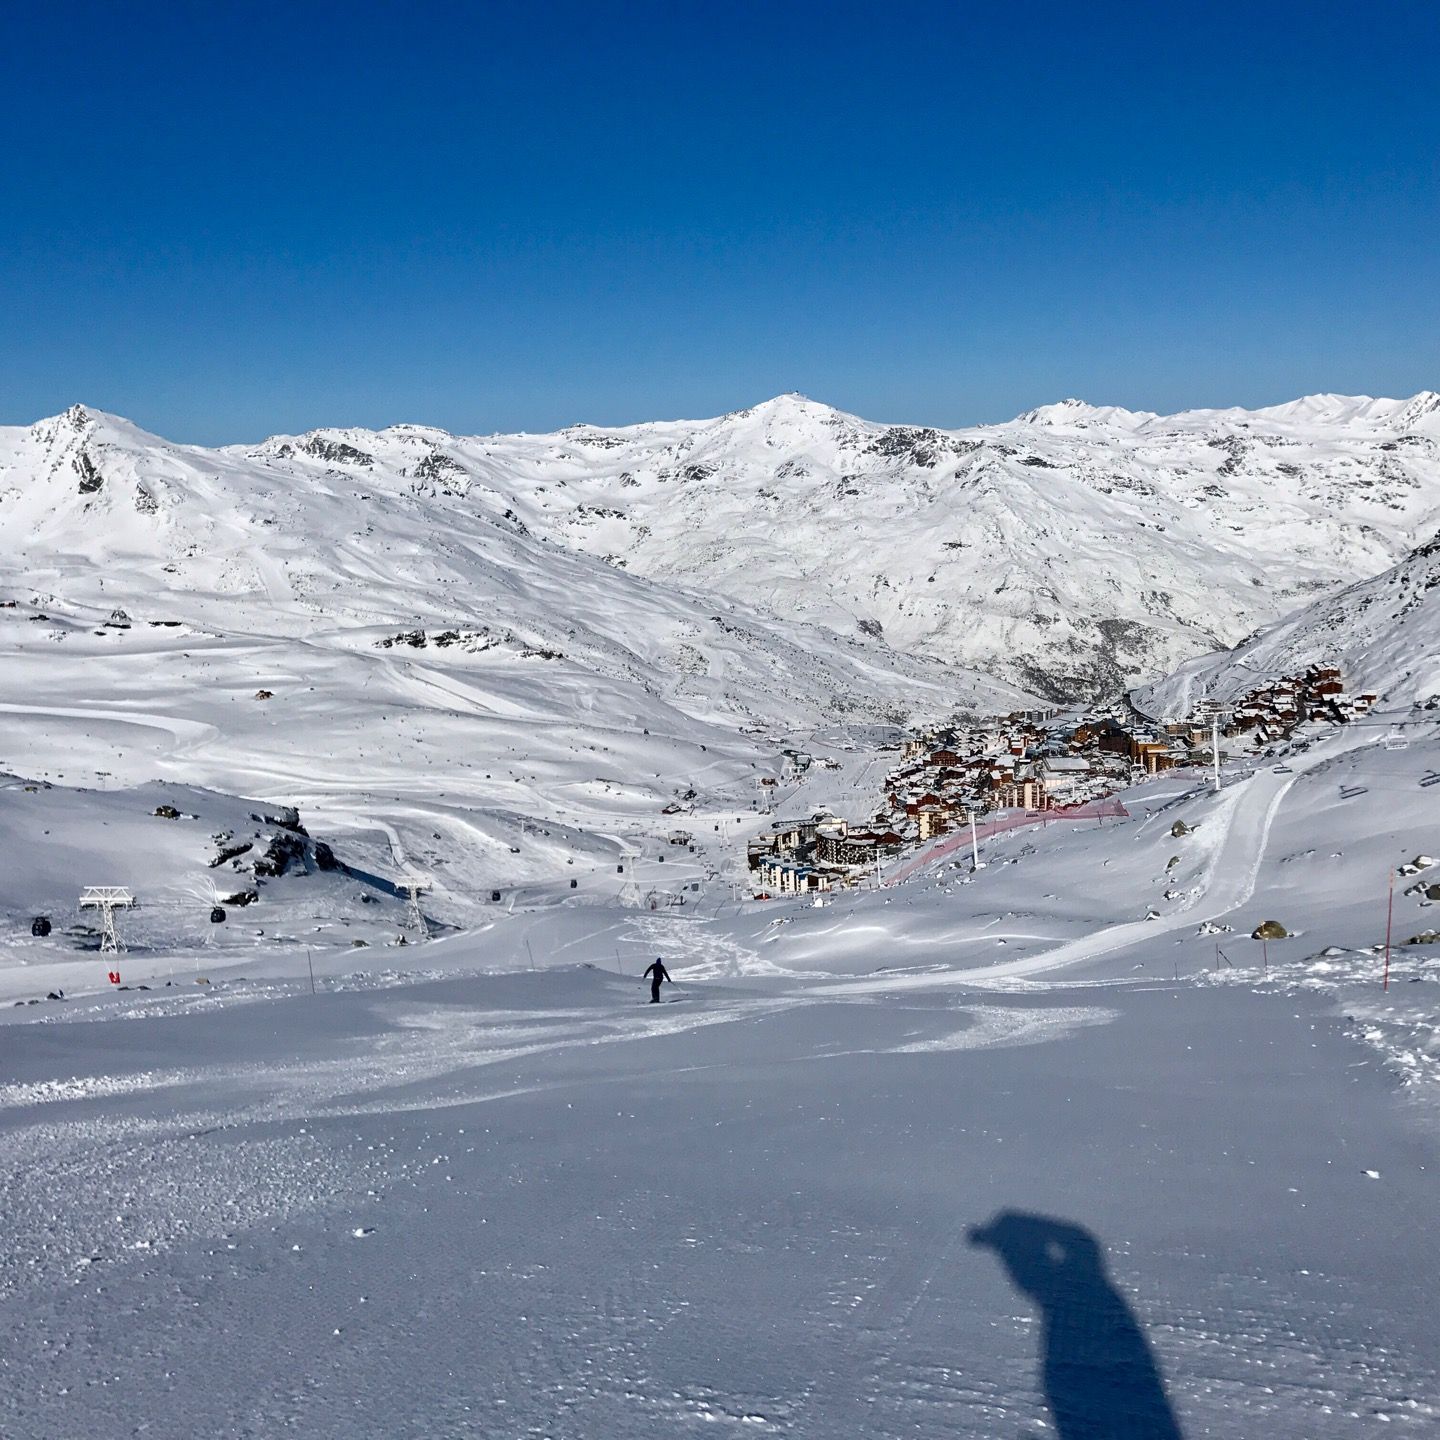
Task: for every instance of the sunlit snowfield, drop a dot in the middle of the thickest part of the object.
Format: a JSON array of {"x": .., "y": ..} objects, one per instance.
[
  {"x": 1053, "y": 1147},
  {"x": 977, "y": 1156}
]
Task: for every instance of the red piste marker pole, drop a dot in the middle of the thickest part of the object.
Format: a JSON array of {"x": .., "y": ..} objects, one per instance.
[{"x": 1389, "y": 920}]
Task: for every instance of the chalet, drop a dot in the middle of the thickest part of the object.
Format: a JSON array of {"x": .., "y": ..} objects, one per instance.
[
  {"x": 914, "y": 803},
  {"x": 790, "y": 836},
  {"x": 1112, "y": 738},
  {"x": 788, "y": 877},
  {"x": 837, "y": 844},
  {"x": 1154, "y": 755}
]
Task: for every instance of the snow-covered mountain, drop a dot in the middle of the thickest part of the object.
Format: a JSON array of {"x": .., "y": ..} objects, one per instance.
[
  {"x": 403, "y": 636},
  {"x": 1069, "y": 551},
  {"x": 396, "y": 652},
  {"x": 1383, "y": 631}
]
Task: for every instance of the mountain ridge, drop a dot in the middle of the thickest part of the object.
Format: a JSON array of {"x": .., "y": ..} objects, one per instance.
[
  {"x": 1382, "y": 631},
  {"x": 1072, "y": 551}
]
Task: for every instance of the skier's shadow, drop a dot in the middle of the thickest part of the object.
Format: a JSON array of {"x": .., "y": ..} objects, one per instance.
[{"x": 1097, "y": 1369}]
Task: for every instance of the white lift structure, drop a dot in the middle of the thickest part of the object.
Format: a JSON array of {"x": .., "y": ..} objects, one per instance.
[
  {"x": 630, "y": 890},
  {"x": 413, "y": 887},
  {"x": 107, "y": 899},
  {"x": 1218, "y": 713}
]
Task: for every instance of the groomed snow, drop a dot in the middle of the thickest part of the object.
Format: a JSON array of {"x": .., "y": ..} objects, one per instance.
[{"x": 450, "y": 1194}]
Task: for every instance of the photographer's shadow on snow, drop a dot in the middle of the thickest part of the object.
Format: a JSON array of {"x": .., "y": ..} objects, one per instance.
[{"x": 1099, "y": 1375}]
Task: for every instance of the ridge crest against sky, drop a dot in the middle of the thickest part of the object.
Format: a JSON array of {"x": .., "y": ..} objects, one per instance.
[
  {"x": 1398, "y": 414},
  {"x": 228, "y": 221}
]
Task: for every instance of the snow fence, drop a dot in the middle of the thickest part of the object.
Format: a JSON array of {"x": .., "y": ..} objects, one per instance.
[{"x": 1109, "y": 808}]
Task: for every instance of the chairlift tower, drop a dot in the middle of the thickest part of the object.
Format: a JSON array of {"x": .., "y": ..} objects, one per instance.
[
  {"x": 1217, "y": 712},
  {"x": 414, "y": 886},
  {"x": 107, "y": 899}
]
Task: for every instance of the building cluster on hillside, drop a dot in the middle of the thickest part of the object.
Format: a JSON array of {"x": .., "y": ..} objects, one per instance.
[
  {"x": 1274, "y": 710},
  {"x": 799, "y": 857},
  {"x": 946, "y": 777}
]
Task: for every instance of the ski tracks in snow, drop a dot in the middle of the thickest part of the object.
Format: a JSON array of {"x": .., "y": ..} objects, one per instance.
[{"x": 1248, "y": 813}]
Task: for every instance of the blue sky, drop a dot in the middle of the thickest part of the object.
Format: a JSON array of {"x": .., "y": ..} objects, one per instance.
[{"x": 225, "y": 220}]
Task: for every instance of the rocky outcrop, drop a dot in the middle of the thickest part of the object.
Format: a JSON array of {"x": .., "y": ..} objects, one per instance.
[
  {"x": 283, "y": 851},
  {"x": 90, "y": 477},
  {"x": 227, "y": 851},
  {"x": 1269, "y": 930}
]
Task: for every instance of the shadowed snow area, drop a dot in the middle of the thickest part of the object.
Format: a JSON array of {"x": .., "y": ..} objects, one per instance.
[
  {"x": 972, "y": 1157},
  {"x": 1047, "y": 1147}
]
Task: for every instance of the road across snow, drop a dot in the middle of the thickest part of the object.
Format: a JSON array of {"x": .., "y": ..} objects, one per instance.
[{"x": 185, "y": 732}]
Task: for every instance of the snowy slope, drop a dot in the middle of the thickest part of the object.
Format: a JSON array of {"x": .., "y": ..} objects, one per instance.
[
  {"x": 394, "y": 657},
  {"x": 1071, "y": 550},
  {"x": 987, "y": 1155},
  {"x": 990, "y": 1153},
  {"x": 183, "y": 852},
  {"x": 449, "y": 655},
  {"x": 1384, "y": 632}
]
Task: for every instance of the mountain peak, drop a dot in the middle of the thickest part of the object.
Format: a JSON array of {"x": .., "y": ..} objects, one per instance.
[
  {"x": 791, "y": 415},
  {"x": 790, "y": 403},
  {"x": 1424, "y": 406},
  {"x": 1080, "y": 415}
]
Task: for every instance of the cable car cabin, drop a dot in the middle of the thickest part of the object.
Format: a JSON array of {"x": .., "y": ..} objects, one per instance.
[{"x": 217, "y": 915}]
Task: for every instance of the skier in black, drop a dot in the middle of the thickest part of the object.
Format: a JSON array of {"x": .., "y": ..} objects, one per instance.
[{"x": 657, "y": 973}]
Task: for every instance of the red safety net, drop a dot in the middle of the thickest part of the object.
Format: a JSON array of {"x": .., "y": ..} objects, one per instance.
[{"x": 1109, "y": 808}]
